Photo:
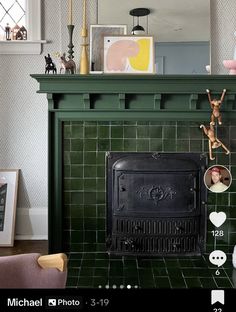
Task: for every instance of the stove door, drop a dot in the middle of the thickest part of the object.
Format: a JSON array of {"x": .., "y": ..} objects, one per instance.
[{"x": 155, "y": 193}]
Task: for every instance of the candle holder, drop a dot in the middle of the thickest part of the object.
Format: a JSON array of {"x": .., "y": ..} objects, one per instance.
[{"x": 70, "y": 45}]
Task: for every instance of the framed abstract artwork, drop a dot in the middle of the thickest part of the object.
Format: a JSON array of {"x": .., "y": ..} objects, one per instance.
[
  {"x": 97, "y": 33},
  {"x": 129, "y": 54},
  {"x": 8, "y": 198}
]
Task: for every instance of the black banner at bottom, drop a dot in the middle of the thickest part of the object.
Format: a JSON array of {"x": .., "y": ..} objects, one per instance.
[{"x": 189, "y": 300}]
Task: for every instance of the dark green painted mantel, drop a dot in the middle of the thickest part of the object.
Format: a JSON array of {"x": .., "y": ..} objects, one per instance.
[{"x": 114, "y": 98}]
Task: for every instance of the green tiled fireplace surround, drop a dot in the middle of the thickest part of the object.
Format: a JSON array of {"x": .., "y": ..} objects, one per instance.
[
  {"x": 92, "y": 114},
  {"x": 85, "y": 145}
]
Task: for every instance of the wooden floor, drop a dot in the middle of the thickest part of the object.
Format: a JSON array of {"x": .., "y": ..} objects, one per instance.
[{"x": 26, "y": 246}]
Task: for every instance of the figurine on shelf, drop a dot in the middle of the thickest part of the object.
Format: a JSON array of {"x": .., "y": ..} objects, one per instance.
[
  {"x": 68, "y": 66},
  {"x": 215, "y": 105},
  {"x": 50, "y": 66},
  {"x": 8, "y": 32},
  {"x": 213, "y": 141}
]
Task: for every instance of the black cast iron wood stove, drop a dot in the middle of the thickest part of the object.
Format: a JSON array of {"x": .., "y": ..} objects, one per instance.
[{"x": 156, "y": 203}]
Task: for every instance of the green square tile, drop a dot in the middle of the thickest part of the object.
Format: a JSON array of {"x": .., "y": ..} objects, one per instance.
[
  {"x": 101, "y": 224},
  {"x": 101, "y": 237},
  {"x": 73, "y": 272},
  {"x": 88, "y": 255},
  {"x": 90, "y": 132},
  {"x": 67, "y": 184},
  {"x": 100, "y": 281},
  {"x": 77, "y": 131},
  {"x": 77, "y": 145},
  {"x": 77, "y": 198},
  {"x": 100, "y": 198},
  {"x": 77, "y": 236},
  {"x": 74, "y": 263},
  {"x": 90, "y": 198},
  {"x": 156, "y": 145},
  {"x": 76, "y": 224},
  {"x": 195, "y": 145},
  {"x": 77, "y": 171},
  {"x": 130, "y": 145},
  {"x": 195, "y": 133},
  {"x": 66, "y": 145},
  {"x": 90, "y": 171},
  {"x": 177, "y": 282},
  {"x": 103, "y": 144},
  {"x": 143, "y": 132},
  {"x": 90, "y": 184},
  {"x": 85, "y": 281},
  {"x": 100, "y": 185},
  {"x": 100, "y": 158},
  {"x": 232, "y": 199},
  {"x": 169, "y": 132},
  {"x": 117, "y": 132},
  {"x": 101, "y": 172},
  {"x": 117, "y": 144},
  {"x": 142, "y": 145},
  {"x": 193, "y": 282},
  {"x": 67, "y": 198},
  {"x": 155, "y": 132},
  {"x": 182, "y": 145},
  {"x": 76, "y": 158},
  {"x": 103, "y": 131},
  {"x": 90, "y": 224},
  {"x": 223, "y": 199},
  {"x": 90, "y": 158},
  {"x": 67, "y": 131},
  {"x": 86, "y": 271},
  {"x": 160, "y": 271},
  {"x": 223, "y": 283},
  {"x": 90, "y": 211},
  {"x": 66, "y": 158},
  {"x": 67, "y": 171},
  {"x": 129, "y": 132},
  {"x": 101, "y": 211},
  {"x": 101, "y": 263},
  {"x": 89, "y": 236},
  {"x": 77, "y": 211},
  {"x": 90, "y": 145},
  {"x": 101, "y": 272},
  {"x": 77, "y": 184},
  {"x": 71, "y": 281},
  {"x": 183, "y": 132},
  {"x": 162, "y": 282},
  {"x": 169, "y": 145}
]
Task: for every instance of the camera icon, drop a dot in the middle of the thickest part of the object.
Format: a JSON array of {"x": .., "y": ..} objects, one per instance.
[{"x": 52, "y": 302}]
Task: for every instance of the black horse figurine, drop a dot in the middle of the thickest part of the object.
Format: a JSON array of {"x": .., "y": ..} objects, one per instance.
[{"x": 50, "y": 66}]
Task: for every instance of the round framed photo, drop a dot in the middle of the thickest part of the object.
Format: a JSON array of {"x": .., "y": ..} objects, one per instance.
[{"x": 217, "y": 179}]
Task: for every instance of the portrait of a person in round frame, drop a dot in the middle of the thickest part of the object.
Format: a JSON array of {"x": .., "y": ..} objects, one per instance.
[{"x": 217, "y": 179}]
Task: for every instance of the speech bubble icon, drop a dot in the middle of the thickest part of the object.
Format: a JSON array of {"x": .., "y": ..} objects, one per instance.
[{"x": 217, "y": 257}]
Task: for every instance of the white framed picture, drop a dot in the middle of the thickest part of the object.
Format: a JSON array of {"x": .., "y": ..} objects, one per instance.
[
  {"x": 128, "y": 54},
  {"x": 8, "y": 199},
  {"x": 97, "y": 33}
]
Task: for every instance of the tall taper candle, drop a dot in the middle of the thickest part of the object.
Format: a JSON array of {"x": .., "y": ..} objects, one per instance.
[
  {"x": 84, "y": 15},
  {"x": 70, "y": 13}
]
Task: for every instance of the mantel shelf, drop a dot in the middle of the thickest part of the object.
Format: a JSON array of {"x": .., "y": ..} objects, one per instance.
[{"x": 173, "y": 97}]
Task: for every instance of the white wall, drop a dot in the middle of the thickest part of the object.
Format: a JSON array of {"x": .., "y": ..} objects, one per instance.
[{"x": 23, "y": 117}]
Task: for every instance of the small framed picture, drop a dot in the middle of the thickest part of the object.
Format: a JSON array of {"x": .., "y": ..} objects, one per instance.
[
  {"x": 129, "y": 54},
  {"x": 97, "y": 33},
  {"x": 8, "y": 198}
]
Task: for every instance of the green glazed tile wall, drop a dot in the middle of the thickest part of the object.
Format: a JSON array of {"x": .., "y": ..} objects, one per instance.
[{"x": 85, "y": 144}]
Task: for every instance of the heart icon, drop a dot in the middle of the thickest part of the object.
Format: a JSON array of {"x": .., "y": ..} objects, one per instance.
[{"x": 217, "y": 218}]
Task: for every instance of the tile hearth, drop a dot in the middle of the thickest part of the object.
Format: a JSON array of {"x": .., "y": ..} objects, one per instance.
[{"x": 99, "y": 270}]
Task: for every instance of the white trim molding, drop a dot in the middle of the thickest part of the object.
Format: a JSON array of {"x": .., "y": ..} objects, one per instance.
[
  {"x": 33, "y": 45},
  {"x": 31, "y": 223}
]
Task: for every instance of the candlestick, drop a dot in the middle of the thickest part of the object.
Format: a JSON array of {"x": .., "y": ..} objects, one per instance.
[
  {"x": 70, "y": 12},
  {"x": 70, "y": 45}
]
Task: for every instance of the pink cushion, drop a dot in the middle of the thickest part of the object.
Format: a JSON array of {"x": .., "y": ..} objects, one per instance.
[{"x": 23, "y": 271}]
